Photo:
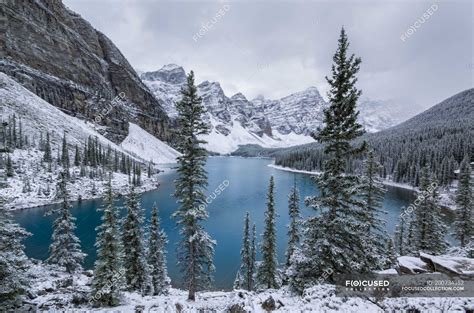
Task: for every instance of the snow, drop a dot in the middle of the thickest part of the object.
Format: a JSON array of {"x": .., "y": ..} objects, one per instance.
[
  {"x": 413, "y": 264},
  {"x": 146, "y": 146},
  {"x": 238, "y": 136},
  {"x": 289, "y": 169},
  {"x": 320, "y": 298}
]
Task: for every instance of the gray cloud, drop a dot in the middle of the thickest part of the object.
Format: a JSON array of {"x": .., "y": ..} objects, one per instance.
[{"x": 276, "y": 48}]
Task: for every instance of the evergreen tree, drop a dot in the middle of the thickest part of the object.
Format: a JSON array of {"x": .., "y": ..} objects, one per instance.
[
  {"x": 391, "y": 258},
  {"x": 65, "y": 154},
  {"x": 107, "y": 274},
  {"x": 400, "y": 235},
  {"x": 13, "y": 261},
  {"x": 293, "y": 228},
  {"x": 133, "y": 249},
  {"x": 372, "y": 192},
  {"x": 427, "y": 223},
  {"x": 334, "y": 239},
  {"x": 196, "y": 248},
  {"x": 464, "y": 223},
  {"x": 77, "y": 156},
  {"x": 65, "y": 248},
  {"x": 267, "y": 271},
  {"x": 47, "y": 156},
  {"x": 9, "y": 165},
  {"x": 253, "y": 255},
  {"x": 247, "y": 266},
  {"x": 157, "y": 256}
]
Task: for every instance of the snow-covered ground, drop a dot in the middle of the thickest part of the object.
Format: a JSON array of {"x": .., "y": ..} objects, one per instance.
[
  {"x": 144, "y": 145},
  {"x": 50, "y": 291}
]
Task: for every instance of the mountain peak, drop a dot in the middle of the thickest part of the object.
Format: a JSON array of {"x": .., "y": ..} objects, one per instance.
[{"x": 170, "y": 73}]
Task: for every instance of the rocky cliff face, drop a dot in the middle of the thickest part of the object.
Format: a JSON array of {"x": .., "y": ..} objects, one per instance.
[{"x": 59, "y": 56}]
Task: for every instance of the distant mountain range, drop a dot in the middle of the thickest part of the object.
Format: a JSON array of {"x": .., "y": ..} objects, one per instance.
[{"x": 236, "y": 121}]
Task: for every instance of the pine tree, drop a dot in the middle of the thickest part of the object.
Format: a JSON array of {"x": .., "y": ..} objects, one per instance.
[
  {"x": 65, "y": 248},
  {"x": 157, "y": 256},
  {"x": 293, "y": 228},
  {"x": 13, "y": 261},
  {"x": 334, "y": 240},
  {"x": 267, "y": 271},
  {"x": 133, "y": 249},
  {"x": 107, "y": 271},
  {"x": 9, "y": 165},
  {"x": 428, "y": 226},
  {"x": 247, "y": 265},
  {"x": 65, "y": 154},
  {"x": 400, "y": 235},
  {"x": 47, "y": 156},
  {"x": 372, "y": 193},
  {"x": 77, "y": 156},
  {"x": 464, "y": 223},
  {"x": 196, "y": 248},
  {"x": 253, "y": 255},
  {"x": 391, "y": 258}
]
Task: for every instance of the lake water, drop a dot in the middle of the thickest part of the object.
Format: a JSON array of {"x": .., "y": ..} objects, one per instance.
[{"x": 248, "y": 182}]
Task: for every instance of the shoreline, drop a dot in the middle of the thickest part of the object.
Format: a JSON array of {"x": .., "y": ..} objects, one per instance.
[
  {"x": 385, "y": 182},
  {"x": 150, "y": 186}
]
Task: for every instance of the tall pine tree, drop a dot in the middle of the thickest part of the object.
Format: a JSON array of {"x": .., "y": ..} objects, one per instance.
[
  {"x": 464, "y": 224},
  {"x": 247, "y": 264},
  {"x": 134, "y": 256},
  {"x": 293, "y": 228},
  {"x": 427, "y": 222},
  {"x": 196, "y": 248},
  {"x": 107, "y": 271},
  {"x": 13, "y": 261},
  {"x": 65, "y": 248},
  {"x": 334, "y": 240},
  {"x": 157, "y": 256},
  {"x": 267, "y": 271},
  {"x": 372, "y": 192}
]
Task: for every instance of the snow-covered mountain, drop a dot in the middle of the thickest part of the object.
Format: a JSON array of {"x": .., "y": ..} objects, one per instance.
[{"x": 236, "y": 120}]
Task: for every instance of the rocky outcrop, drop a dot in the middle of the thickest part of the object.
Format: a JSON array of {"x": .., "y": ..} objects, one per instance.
[{"x": 59, "y": 56}]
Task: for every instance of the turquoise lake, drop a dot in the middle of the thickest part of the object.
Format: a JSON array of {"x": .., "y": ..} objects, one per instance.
[{"x": 248, "y": 182}]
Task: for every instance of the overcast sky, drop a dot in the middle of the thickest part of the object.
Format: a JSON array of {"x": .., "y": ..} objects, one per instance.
[{"x": 276, "y": 48}]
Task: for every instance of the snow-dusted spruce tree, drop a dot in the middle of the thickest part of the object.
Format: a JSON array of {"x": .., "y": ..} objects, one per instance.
[
  {"x": 134, "y": 256},
  {"x": 399, "y": 235},
  {"x": 65, "y": 156},
  {"x": 47, "y": 156},
  {"x": 65, "y": 248},
  {"x": 334, "y": 240},
  {"x": 157, "y": 256},
  {"x": 267, "y": 271},
  {"x": 372, "y": 191},
  {"x": 391, "y": 258},
  {"x": 253, "y": 255},
  {"x": 196, "y": 248},
  {"x": 464, "y": 223},
  {"x": 244, "y": 278},
  {"x": 107, "y": 272},
  {"x": 293, "y": 228},
  {"x": 13, "y": 261},
  {"x": 428, "y": 226}
]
